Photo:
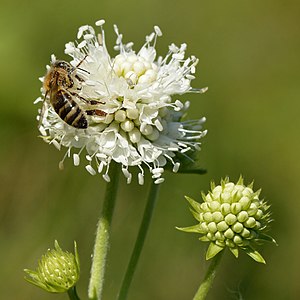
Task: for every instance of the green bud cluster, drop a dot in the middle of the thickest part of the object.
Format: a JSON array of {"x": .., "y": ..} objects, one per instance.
[
  {"x": 231, "y": 215},
  {"x": 57, "y": 271}
]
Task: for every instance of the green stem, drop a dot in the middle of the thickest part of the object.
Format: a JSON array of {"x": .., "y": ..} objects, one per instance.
[
  {"x": 139, "y": 241},
  {"x": 209, "y": 278},
  {"x": 73, "y": 294},
  {"x": 102, "y": 235}
]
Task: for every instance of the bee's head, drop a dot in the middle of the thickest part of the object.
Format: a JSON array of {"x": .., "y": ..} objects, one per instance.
[{"x": 63, "y": 65}]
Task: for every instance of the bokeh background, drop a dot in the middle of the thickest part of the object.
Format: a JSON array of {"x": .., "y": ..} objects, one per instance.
[{"x": 249, "y": 59}]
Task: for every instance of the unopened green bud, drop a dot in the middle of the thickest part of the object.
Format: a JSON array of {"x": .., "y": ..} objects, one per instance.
[
  {"x": 57, "y": 271},
  {"x": 230, "y": 219},
  {"x": 222, "y": 226},
  {"x": 232, "y": 215},
  {"x": 229, "y": 234},
  {"x": 212, "y": 227}
]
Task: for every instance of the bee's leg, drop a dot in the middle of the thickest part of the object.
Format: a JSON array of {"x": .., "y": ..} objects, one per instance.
[
  {"x": 90, "y": 102},
  {"x": 79, "y": 78},
  {"x": 96, "y": 112},
  {"x": 95, "y": 102}
]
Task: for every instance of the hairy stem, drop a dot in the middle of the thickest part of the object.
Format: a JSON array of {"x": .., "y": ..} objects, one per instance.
[
  {"x": 206, "y": 284},
  {"x": 102, "y": 236}
]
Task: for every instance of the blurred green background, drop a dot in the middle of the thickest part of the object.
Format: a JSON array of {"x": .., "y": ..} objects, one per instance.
[{"x": 249, "y": 59}]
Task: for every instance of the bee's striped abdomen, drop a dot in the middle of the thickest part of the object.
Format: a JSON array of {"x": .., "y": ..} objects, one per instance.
[{"x": 68, "y": 110}]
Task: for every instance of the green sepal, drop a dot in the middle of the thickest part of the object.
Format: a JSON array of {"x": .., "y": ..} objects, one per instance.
[
  {"x": 213, "y": 250},
  {"x": 194, "y": 204},
  {"x": 257, "y": 193},
  {"x": 224, "y": 181},
  {"x": 254, "y": 254},
  {"x": 34, "y": 279},
  {"x": 240, "y": 180},
  {"x": 194, "y": 169},
  {"x": 76, "y": 257},
  {"x": 195, "y": 214},
  {"x": 194, "y": 228},
  {"x": 189, "y": 163},
  {"x": 265, "y": 238},
  {"x": 204, "y": 239},
  {"x": 234, "y": 251}
]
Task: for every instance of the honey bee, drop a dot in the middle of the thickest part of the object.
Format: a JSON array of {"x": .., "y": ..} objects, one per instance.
[{"x": 57, "y": 84}]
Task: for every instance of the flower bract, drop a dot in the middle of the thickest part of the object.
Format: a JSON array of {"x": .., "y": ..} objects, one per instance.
[
  {"x": 57, "y": 271},
  {"x": 128, "y": 101},
  {"x": 231, "y": 215}
]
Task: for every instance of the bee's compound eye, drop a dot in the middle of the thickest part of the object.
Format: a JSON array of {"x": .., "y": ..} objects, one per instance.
[{"x": 63, "y": 65}]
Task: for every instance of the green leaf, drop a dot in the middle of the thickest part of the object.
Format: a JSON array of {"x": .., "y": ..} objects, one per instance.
[
  {"x": 254, "y": 254},
  {"x": 194, "y": 228},
  {"x": 234, "y": 251},
  {"x": 213, "y": 250}
]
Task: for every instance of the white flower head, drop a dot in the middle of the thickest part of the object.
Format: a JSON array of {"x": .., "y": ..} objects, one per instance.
[{"x": 127, "y": 102}]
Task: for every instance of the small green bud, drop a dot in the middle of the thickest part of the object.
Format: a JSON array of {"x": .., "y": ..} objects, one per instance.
[
  {"x": 245, "y": 201},
  {"x": 250, "y": 223},
  {"x": 208, "y": 217},
  {"x": 235, "y": 208},
  {"x": 219, "y": 236},
  {"x": 204, "y": 207},
  {"x": 212, "y": 227},
  {"x": 204, "y": 227},
  {"x": 237, "y": 227},
  {"x": 214, "y": 205},
  {"x": 211, "y": 236},
  {"x": 217, "y": 216},
  {"x": 225, "y": 208},
  {"x": 238, "y": 240},
  {"x": 229, "y": 234},
  {"x": 253, "y": 209},
  {"x": 245, "y": 233},
  {"x": 232, "y": 215},
  {"x": 57, "y": 271},
  {"x": 259, "y": 214},
  {"x": 222, "y": 226},
  {"x": 230, "y": 219},
  {"x": 242, "y": 216}
]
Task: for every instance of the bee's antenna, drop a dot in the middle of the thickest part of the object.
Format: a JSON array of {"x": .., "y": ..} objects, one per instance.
[
  {"x": 77, "y": 67},
  {"x": 81, "y": 61},
  {"x": 83, "y": 70}
]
